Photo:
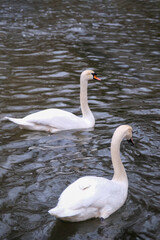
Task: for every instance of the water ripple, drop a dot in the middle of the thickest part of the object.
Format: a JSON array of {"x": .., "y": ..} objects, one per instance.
[{"x": 44, "y": 48}]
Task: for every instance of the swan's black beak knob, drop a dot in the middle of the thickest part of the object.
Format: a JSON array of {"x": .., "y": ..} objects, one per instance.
[{"x": 131, "y": 141}]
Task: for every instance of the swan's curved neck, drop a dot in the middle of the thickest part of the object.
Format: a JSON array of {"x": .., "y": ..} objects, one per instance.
[
  {"x": 119, "y": 170},
  {"x": 86, "y": 112}
]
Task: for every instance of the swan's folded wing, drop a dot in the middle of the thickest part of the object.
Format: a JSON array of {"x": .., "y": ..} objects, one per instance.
[
  {"x": 84, "y": 192},
  {"x": 55, "y": 118},
  {"x": 84, "y": 185}
]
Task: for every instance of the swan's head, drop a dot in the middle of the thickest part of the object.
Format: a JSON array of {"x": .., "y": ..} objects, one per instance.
[
  {"x": 89, "y": 75},
  {"x": 123, "y": 131},
  {"x": 129, "y": 134}
]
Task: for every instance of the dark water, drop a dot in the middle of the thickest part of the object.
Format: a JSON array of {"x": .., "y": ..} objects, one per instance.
[{"x": 44, "y": 47}]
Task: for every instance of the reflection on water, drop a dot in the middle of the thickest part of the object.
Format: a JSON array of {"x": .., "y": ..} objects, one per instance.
[{"x": 44, "y": 47}]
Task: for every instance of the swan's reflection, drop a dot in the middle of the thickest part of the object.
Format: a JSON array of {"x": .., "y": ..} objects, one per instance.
[{"x": 64, "y": 230}]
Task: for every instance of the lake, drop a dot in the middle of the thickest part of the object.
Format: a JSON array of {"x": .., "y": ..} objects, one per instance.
[{"x": 44, "y": 47}]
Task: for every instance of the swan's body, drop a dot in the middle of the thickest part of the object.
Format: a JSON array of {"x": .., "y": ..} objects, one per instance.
[
  {"x": 96, "y": 197},
  {"x": 54, "y": 120}
]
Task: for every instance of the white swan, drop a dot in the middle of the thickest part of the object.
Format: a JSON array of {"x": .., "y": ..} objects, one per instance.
[
  {"x": 54, "y": 120},
  {"x": 96, "y": 197}
]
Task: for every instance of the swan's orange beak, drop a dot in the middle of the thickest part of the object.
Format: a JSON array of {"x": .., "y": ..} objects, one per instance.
[{"x": 95, "y": 77}]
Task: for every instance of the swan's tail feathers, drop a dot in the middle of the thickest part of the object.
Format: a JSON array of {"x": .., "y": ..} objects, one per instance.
[
  {"x": 63, "y": 213},
  {"x": 18, "y": 121}
]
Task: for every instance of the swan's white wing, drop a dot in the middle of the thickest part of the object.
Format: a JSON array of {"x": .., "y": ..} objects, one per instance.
[
  {"x": 90, "y": 197},
  {"x": 74, "y": 200},
  {"x": 85, "y": 192},
  {"x": 51, "y": 120},
  {"x": 56, "y": 118}
]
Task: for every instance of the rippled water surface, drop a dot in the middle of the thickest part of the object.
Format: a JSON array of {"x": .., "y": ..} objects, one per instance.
[{"x": 44, "y": 47}]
